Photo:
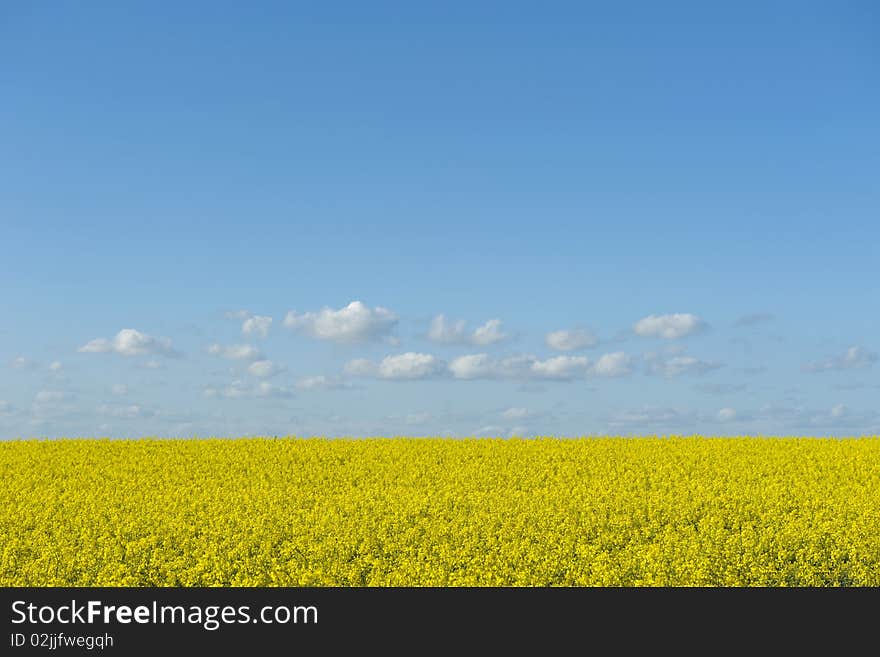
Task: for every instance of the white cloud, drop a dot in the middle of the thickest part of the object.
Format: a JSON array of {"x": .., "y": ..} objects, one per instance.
[
  {"x": 726, "y": 414},
  {"x": 524, "y": 366},
  {"x": 407, "y": 366},
  {"x": 838, "y": 411},
  {"x": 455, "y": 332},
  {"x": 854, "y": 358},
  {"x": 562, "y": 368},
  {"x": 571, "y": 340},
  {"x": 473, "y": 366},
  {"x": 518, "y": 431},
  {"x": 56, "y": 366},
  {"x": 356, "y": 322},
  {"x": 236, "y": 351},
  {"x": 669, "y": 327},
  {"x": 516, "y": 413},
  {"x": 482, "y": 366},
  {"x": 489, "y": 333},
  {"x": 678, "y": 365},
  {"x": 257, "y": 325},
  {"x": 447, "y": 332},
  {"x": 613, "y": 365},
  {"x": 119, "y": 389},
  {"x": 151, "y": 365},
  {"x": 270, "y": 390},
  {"x": 264, "y": 368},
  {"x": 130, "y": 411},
  {"x": 410, "y": 365},
  {"x": 322, "y": 383},
  {"x": 129, "y": 342},
  {"x": 240, "y": 390}
]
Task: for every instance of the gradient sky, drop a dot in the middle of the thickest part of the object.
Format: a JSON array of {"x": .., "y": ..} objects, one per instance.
[{"x": 685, "y": 196}]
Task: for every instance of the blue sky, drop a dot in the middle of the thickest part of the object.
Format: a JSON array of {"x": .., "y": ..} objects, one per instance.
[{"x": 632, "y": 219}]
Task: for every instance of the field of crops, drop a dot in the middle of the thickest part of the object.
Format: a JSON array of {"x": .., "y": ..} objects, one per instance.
[{"x": 401, "y": 511}]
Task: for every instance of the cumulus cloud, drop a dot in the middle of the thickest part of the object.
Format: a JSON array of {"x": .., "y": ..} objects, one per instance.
[
  {"x": 354, "y": 323},
  {"x": 523, "y": 367},
  {"x": 410, "y": 365},
  {"x": 119, "y": 389},
  {"x": 753, "y": 318},
  {"x": 838, "y": 411},
  {"x": 669, "y": 327},
  {"x": 678, "y": 365},
  {"x": 488, "y": 333},
  {"x": 322, "y": 383},
  {"x": 264, "y": 368},
  {"x": 562, "y": 368},
  {"x": 455, "y": 332},
  {"x": 22, "y": 363},
  {"x": 257, "y": 325},
  {"x": 613, "y": 365},
  {"x": 406, "y": 366},
  {"x": 236, "y": 352},
  {"x": 447, "y": 332},
  {"x": 571, "y": 340},
  {"x": 56, "y": 366},
  {"x": 854, "y": 358},
  {"x": 473, "y": 366},
  {"x": 241, "y": 390},
  {"x": 726, "y": 414},
  {"x": 129, "y": 342}
]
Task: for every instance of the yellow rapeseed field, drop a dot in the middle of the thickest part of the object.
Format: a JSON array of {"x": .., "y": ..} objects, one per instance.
[{"x": 405, "y": 511}]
